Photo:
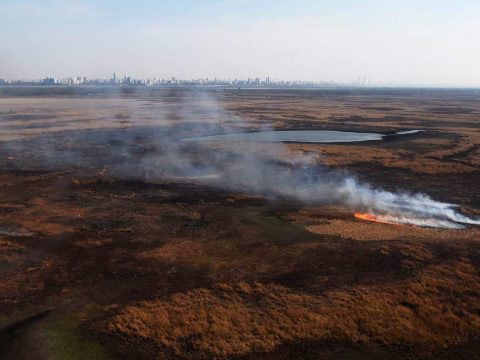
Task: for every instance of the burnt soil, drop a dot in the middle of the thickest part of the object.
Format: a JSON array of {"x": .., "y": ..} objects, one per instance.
[{"x": 146, "y": 268}]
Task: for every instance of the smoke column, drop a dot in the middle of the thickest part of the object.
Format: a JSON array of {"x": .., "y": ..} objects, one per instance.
[
  {"x": 262, "y": 169},
  {"x": 158, "y": 153}
]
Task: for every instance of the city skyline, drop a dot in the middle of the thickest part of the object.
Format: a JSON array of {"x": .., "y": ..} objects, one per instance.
[
  {"x": 361, "y": 81},
  {"x": 411, "y": 43}
]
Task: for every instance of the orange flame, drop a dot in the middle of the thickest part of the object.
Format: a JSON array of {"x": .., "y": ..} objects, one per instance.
[{"x": 372, "y": 217}]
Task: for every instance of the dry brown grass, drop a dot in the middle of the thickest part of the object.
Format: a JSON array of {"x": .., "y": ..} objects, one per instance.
[
  {"x": 430, "y": 312},
  {"x": 176, "y": 250},
  {"x": 201, "y": 275},
  {"x": 429, "y": 163},
  {"x": 10, "y": 251},
  {"x": 329, "y": 220}
]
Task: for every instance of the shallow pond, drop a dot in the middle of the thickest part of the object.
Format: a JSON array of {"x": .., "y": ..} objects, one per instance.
[{"x": 302, "y": 136}]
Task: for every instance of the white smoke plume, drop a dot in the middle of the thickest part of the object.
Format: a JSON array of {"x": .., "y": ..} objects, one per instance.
[
  {"x": 158, "y": 153},
  {"x": 274, "y": 171}
]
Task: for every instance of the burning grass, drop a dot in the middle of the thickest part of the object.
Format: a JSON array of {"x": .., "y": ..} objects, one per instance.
[
  {"x": 408, "y": 220},
  {"x": 366, "y": 227},
  {"x": 374, "y": 218}
]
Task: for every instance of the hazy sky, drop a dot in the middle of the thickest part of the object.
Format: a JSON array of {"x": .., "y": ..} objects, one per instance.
[{"x": 432, "y": 42}]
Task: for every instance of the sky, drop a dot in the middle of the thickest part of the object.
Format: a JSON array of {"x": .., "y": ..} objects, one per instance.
[{"x": 409, "y": 42}]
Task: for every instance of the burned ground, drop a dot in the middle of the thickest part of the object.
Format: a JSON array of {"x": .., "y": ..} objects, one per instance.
[{"x": 108, "y": 262}]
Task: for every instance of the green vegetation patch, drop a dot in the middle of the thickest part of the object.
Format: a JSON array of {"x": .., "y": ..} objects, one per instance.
[
  {"x": 275, "y": 230},
  {"x": 66, "y": 342}
]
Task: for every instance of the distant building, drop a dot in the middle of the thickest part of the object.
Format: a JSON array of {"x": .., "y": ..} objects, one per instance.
[
  {"x": 49, "y": 81},
  {"x": 78, "y": 80}
]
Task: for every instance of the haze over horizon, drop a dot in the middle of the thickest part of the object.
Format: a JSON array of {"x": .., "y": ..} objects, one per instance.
[{"x": 428, "y": 43}]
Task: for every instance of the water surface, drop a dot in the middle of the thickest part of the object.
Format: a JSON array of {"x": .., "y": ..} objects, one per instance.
[{"x": 303, "y": 136}]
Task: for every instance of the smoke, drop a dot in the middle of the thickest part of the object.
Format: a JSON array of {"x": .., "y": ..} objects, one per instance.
[
  {"x": 148, "y": 145},
  {"x": 272, "y": 170}
]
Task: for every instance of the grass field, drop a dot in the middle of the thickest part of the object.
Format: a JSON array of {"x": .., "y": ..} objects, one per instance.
[{"x": 172, "y": 268}]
